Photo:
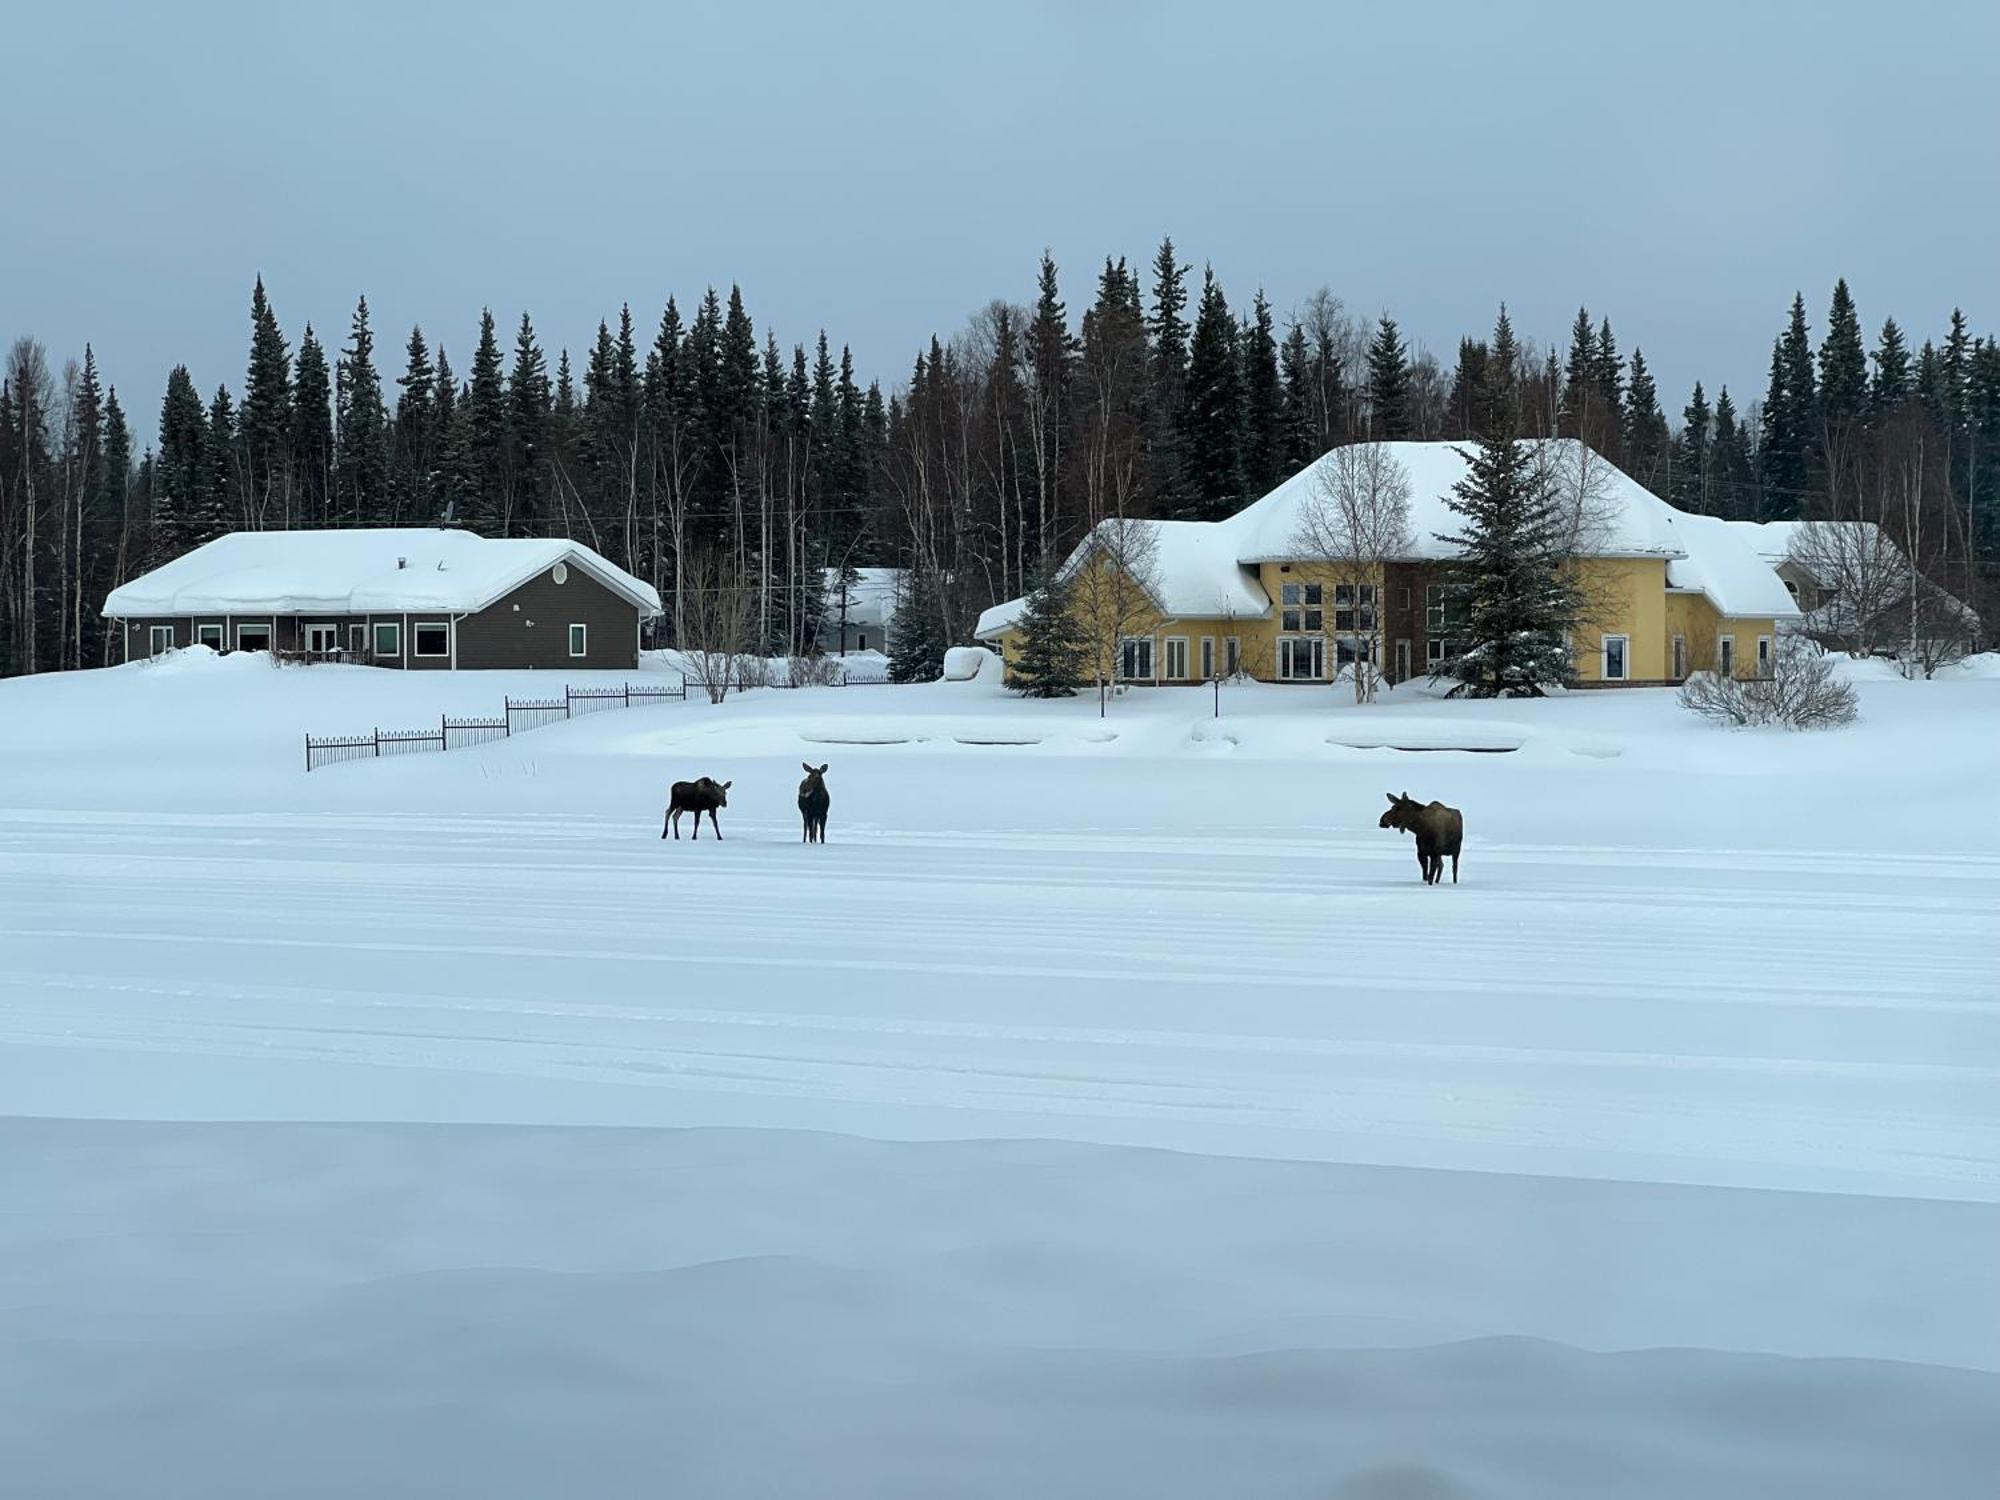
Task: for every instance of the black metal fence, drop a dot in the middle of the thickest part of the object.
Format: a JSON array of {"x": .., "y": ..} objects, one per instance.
[{"x": 517, "y": 716}]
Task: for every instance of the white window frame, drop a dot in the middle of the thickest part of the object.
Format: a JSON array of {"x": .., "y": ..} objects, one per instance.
[
  {"x": 330, "y": 633},
  {"x": 417, "y": 629},
  {"x": 1604, "y": 658},
  {"x": 1680, "y": 656},
  {"x": 1135, "y": 645},
  {"x": 357, "y": 640},
  {"x": 1725, "y": 655},
  {"x": 579, "y": 639},
  {"x": 1763, "y": 656},
  {"x": 1207, "y": 658},
  {"x": 1434, "y": 650},
  {"x": 154, "y": 635},
  {"x": 395, "y": 629},
  {"x": 1403, "y": 656},
  {"x": 269, "y": 635},
  {"x": 1289, "y": 648},
  {"x": 1176, "y": 645},
  {"x": 203, "y": 634},
  {"x": 1232, "y": 654},
  {"x": 559, "y": 573}
]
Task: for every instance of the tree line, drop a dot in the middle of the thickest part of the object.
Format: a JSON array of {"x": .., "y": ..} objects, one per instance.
[{"x": 711, "y": 459}]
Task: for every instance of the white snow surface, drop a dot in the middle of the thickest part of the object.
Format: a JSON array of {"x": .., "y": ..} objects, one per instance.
[
  {"x": 1105, "y": 1109},
  {"x": 357, "y": 571}
]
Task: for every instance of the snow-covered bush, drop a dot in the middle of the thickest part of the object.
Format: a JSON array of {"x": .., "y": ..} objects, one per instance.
[
  {"x": 1803, "y": 691},
  {"x": 812, "y": 671}
]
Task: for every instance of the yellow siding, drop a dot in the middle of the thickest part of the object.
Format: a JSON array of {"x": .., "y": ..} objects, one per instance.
[
  {"x": 1692, "y": 617},
  {"x": 1622, "y": 596}
]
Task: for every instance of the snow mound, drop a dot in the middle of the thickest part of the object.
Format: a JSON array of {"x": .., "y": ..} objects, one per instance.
[{"x": 963, "y": 663}]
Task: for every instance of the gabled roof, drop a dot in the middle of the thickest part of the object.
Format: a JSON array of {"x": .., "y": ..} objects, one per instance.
[
  {"x": 1778, "y": 541},
  {"x": 1720, "y": 565},
  {"x": 1628, "y": 520},
  {"x": 360, "y": 571},
  {"x": 1191, "y": 571}
]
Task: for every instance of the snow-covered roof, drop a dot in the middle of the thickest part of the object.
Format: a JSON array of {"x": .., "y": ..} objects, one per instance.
[
  {"x": 1720, "y": 564},
  {"x": 871, "y": 599},
  {"x": 1626, "y": 519},
  {"x": 1000, "y": 617},
  {"x": 386, "y": 569},
  {"x": 1189, "y": 568},
  {"x": 1776, "y": 541}
]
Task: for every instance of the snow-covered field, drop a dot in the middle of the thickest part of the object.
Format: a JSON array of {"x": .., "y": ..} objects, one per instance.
[{"x": 1106, "y": 1109}]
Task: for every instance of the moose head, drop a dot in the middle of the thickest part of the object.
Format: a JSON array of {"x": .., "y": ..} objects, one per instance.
[{"x": 1402, "y": 812}]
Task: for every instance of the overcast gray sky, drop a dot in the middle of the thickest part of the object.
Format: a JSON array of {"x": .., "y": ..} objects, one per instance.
[{"x": 1681, "y": 168}]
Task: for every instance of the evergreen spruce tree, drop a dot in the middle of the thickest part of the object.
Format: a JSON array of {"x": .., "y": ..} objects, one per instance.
[
  {"x": 361, "y": 428},
  {"x": 217, "y": 497},
  {"x": 1843, "y": 363},
  {"x": 180, "y": 476},
  {"x": 1692, "y": 462},
  {"x": 1468, "y": 379},
  {"x": 1300, "y": 421},
  {"x": 1609, "y": 377},
  {"x": 1512, "y": 553},
  {"x": 1791, "y": 419},
  {"x": 1580, "y": 393},
  {"x": 1388, "y": 384},
  {"x": 1734, "y": 485},
  {"x": 265, "y": 423},
  {"x": 114, "y": 484},
  {"x": 527, "y": 447},
  {"x": 1167, "y": 340},
  {"x": 412, "y": 477},
  {"x": 1890, "y": 387},
  {"x": 1647, "y": 439},
  {"x": 312, "y": 434},
  {"x": 1051, "y": 660},
  {"x": 450, "y": 479},
  {"x": 1263, "y": 403},
  {"x": 916, "y": 650},
  {"x": 486, "y": 435},
  {"x": 1211, "y": 447}
]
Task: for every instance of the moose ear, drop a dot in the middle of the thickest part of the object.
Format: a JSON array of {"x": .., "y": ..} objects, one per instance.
[
  {"x": 727, "y": 785},
  {"x": 805, "y": 768},
  {"x": 822, "y": 769},
  {"x": 1406, "y": 797},
  {"x": 1392, "y": 799}
]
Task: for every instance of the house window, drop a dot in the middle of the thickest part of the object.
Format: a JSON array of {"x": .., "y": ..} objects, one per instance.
[
  {"x": 1616, "y": 650},
  {"x": 1302, "y": 602},
  {"x": 1301, "y": 658},
  {"x": 1680, "y": 657},
  {"x": 1177, "y": 658},
  {"x": 1207, "y": 657},
  {"x": 559, "y": 573},
  {"x": 323, "y": 640},
  {"x": 1348, "y": 649},
  {"x": 579, "y": 640},
  {"x": 1763, "y": 656},
  {"x": 357, "y": 639},
  {"x": 208, "y": 635},
  {"x": 160, "y": 638},
  {"x": 388, "y": 638},
  {"x": 1353, "y": 606},
  {"x": 1403, "y": 597},
  {"x": 431, "y": 638},
  {"x": 1135, "y": 658},
  {"x": 1403, "y": 652},
  {"x": 253, "y": 638},
  {"x": 1434, "y": 653},
  {"x": 1725, "y": 655},
  {"x": 861, "y": 641},
  {"x": 1447, "y": 608},
  {"x": 1232, "y": 654}
]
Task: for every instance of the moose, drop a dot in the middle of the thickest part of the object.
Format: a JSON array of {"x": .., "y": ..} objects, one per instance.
[
  {"x": 703, "y": 795},
  {"x": 1440, "y": 830},
  {"x": 813, "y": 803}
]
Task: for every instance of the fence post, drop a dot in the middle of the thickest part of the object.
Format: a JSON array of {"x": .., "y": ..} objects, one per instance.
[
  {"x": 378, "y": 742},
  {"x": 309, "y": 754}
]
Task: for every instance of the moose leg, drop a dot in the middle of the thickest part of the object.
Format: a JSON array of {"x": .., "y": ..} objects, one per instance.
[
  {"x": 712, "y": 823},
  {"x": 1454, "y": 867},
  {"x": 674, "y": 819},
  {"x": 665, "y": 823}
]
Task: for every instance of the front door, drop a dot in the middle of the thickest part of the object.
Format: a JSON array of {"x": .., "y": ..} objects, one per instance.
[
  {"x": 322, "y": 640},
  {"x": 1402, "y": 661}
]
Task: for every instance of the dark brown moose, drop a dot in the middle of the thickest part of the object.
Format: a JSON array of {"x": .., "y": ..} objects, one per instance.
[
  {"x": 1440, "y": 830},
  {"x": 701, "y": 796},
  {"x": 813, "y": 803}
]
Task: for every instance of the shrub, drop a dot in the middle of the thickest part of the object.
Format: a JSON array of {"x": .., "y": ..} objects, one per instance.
[{"x": 1802, "y": 692}]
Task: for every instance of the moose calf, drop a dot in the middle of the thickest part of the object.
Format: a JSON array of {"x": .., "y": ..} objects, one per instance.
[
  {"x": 813, "y": 802},
  {"x": 1440, "y": 830},
  {"x": 701, "y": 796}
]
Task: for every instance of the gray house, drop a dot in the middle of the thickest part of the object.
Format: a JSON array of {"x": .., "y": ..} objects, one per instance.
[
  {"x": 861, "y": 615},
  {"x": 416, "y": 598}
]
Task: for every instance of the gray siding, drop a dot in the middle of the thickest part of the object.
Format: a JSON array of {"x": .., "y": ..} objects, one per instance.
[{"x": 530, "y": 627}]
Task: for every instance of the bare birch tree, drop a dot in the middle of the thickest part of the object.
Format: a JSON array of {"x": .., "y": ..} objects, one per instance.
[
  {"x": 1354, "y": 520},
  {"x": 1114, "y": 587},
  {"x": 716, "y": 607}
]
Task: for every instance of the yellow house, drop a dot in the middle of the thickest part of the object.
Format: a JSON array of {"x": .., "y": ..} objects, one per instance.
[{"x": 1167, "y": 602}]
